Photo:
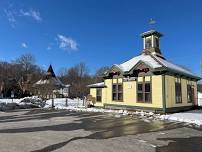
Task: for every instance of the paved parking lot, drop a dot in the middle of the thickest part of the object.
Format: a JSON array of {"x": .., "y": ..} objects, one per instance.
[{"x": 41, "y": 130}]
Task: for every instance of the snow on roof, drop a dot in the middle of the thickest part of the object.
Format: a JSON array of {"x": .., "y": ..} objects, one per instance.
[
  {"x": 154, "y": 62},
  {"x": 173, "y": 66},
  {"x": 51, "y": 81},
  {"x": 128, "y": 65},
  {"x": 67, "y": 85},
  {"x": 101, "y": 84}
]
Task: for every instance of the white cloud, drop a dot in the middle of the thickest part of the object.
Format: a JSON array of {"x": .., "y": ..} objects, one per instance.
[
  {"x": 13, "y": 14},
  {"x": 11, "y": 17},
  {"x": 24, "y": 45},
  {"x": 31, "y": 13},
  {"x": 67, "y": 43}
]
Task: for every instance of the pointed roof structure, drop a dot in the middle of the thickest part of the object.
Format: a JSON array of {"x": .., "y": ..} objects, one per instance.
[
  {"x": 50, "y": 71},
  {"x": 50, "y": 79}
]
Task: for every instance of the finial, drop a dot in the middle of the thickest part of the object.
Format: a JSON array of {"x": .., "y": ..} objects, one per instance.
[{"x": 152, "y": 22}]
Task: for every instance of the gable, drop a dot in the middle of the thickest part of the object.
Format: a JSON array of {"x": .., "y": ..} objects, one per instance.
[
  {"x": 114, "y": 71},
  {"x": 141, "y": 68},
  {"x": 146, "y": 58}
]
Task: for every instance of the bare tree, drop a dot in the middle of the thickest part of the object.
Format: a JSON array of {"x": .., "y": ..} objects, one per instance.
[
  {"x": 100, "y": 73},
  {"x": 26, "y": 61},
  {"x": 78, "y": 77},
  {"x": 22, "y": 71}
]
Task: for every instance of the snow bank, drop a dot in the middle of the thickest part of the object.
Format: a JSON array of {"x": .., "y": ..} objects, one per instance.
[
  {"x": 23, "y": 103},
  {"x": 191, "y": 117},
  {"x": 79, "y": 106}
]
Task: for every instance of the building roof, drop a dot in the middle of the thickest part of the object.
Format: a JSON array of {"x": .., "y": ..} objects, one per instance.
[
  {"x": 67, "y": 85},
  {"x": 128, "y": 65},
  {"x": 50, "y": 71},
  {"x": 50, "y": 79},
  {"x": 151, "y": 32},
  {"x": 155, "y": 62},
  {"x": 97, "y": 85}
]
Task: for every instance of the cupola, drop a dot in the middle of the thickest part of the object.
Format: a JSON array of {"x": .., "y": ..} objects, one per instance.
[{"x": 151, "y": 41}]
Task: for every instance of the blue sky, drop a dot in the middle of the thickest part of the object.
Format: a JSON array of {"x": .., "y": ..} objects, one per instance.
[{"x": 98, "y": 32}]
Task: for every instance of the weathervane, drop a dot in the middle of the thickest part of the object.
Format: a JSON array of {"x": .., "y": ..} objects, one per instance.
[{"x": 152, "y": 22}]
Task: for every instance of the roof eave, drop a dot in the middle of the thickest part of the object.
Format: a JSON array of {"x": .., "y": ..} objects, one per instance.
[{"x": 185, "y": 74}]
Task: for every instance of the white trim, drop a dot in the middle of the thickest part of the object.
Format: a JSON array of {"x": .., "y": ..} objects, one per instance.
[{"x": 152, "y": 39}]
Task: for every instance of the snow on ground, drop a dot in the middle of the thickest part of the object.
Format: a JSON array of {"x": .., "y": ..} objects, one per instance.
[
  {"x": 60, "y": 103},
  {"x": 78, "y": 105},
  {"x": 19, "y": 101},
  {"x": 191, "y": 117},
  {"x": 23, "y": 103}
]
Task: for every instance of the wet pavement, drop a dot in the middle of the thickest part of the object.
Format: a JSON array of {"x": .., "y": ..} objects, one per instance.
[{"x": 42, "y": 130}]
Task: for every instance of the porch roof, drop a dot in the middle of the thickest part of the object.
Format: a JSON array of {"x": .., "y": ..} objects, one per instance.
[{"x": 97, "y": 85}]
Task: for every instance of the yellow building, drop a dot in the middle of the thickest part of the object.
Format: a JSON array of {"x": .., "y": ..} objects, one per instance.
[{"x": 147, "y": 81}]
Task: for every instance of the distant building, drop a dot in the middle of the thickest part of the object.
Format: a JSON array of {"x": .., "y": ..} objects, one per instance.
[
  {"x": 49, "y": 86},
  {"x": 62, "y": 92},
  {"x": 147, "y": 81}
]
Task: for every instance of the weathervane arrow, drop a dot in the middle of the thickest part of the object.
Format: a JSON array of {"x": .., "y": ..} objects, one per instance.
[{"x": 152, "y": 21}]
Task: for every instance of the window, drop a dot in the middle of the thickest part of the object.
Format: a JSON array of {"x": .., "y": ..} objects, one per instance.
[
  {"x": 98, "y": 94},
  {"x": 147, "y": 92},
  {"x": 189, "y": 93},
  {"x": 148, "y": 43},
  {"x": 140, "y": 92},
  {"x": 117, "y": 92},
  {"x": 114, "y": 92},
  {"x": 144, "y": 92},
  {"x": 157, "y": 41},
  {"x": 178, "y": 91}
]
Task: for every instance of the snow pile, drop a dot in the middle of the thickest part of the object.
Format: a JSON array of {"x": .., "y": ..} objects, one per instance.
[
  {"x": 23, "y": 103},
  {"x": 191, "y": 117},
  {"x": 34, "y": 101},
  {"x": 199, "y": 99}
]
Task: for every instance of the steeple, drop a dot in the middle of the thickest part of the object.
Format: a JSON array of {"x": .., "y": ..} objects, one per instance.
[
  {"x": 50, "y": 71},
  {"x": 151, "y": 41}
]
